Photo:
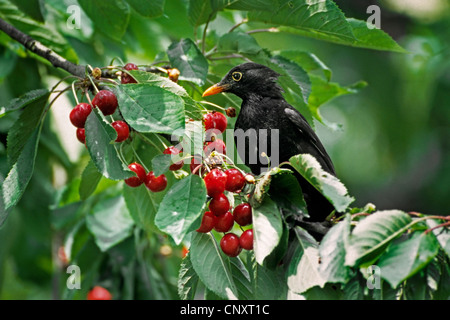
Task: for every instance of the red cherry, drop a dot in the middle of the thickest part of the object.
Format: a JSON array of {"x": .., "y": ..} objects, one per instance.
[
  {"x": 219, "y": 205},
  {"x": 125, "y": 77},
  {"x": 156, "y": 184},
  {"x": 131, "y": 66},
  {"x": 106, "y": 101},
  {"x": 99, "y": 293},
  {"x": 81, "y": 135},
  {"x": 216, "y": 145},
  {"x": 224, "y": 223},
  {"x": 173, "y": 150},
  {"x": 246, "y": 239},
  {"x": 215, "y": 182},
  {"x": 230, "y": 245},
  {"x": 140, "y": 175},
  {"x": 208, "y": 222},
  {"x": 122, "y": 129},
  {"x": 196, "y": 161},
  {"x": 243, "y": 214},
  {"x": 235, "y": 180},
  {"x": 79, "y": 114},
  {"x": 215, "y": 120}
]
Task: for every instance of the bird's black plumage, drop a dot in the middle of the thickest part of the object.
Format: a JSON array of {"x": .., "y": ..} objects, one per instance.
[{"x": 263, "y": 107}]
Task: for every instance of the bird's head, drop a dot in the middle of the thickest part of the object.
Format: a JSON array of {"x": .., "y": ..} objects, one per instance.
[{"x": 246, "y": 80}]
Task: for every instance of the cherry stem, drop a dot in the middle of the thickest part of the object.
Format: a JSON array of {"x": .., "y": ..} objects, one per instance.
[
  {"x": 445, "y": 224},
  {"x": 213, "y": 104},
  {"x": 74, "y": 92}
]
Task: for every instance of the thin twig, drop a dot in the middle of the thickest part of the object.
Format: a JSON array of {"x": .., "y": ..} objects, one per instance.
[{"x": 38, "y": 48}]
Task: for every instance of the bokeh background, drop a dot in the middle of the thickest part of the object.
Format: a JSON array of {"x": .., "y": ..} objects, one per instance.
[{"x": 393, "y": 148}]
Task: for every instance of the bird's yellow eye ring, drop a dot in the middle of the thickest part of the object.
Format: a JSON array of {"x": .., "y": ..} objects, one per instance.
[{"x": 236, "y": 76}]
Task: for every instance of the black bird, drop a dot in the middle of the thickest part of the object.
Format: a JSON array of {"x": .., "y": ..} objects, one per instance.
[{"x": 263, "y": 107}]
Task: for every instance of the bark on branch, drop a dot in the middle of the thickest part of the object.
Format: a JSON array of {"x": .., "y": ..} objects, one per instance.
[{"x": 38, "y": 48}]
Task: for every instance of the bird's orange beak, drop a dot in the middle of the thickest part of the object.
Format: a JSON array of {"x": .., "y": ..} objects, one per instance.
[{"x": 215, "y": 89}]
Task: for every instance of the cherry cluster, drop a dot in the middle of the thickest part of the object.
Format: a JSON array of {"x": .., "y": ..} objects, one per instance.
[
  {"x": 106, "y": 101},
  {"x": 221, "y": 216}
]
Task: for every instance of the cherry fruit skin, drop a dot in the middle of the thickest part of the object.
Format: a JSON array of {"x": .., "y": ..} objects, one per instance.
[
  {"x": 219, "y": 205},
  {"x": 99, "y": 293},
  {"x": 122, "y": 129},
  {"x": 106, "y": 101},
  {"x": 215, "y": 120},
  {"x": 224, "y": 223},
  {"x": 140, "y": 177},
  {"x": 156, "y": 184},
  {"x": 215, "y": 182},
  {"x": 246, "y": 239},
  {"x": 81, "y": 135},
  {"x": 230, "y": 245},
  {"x": 208, "y": 222},
  {"x": 125, "y": 77},
  {"x": 216, "y": 145},
  {"x": 177, "y": 165},
  {"x": 235, "y": 180},
  {"x": 79, "y": 114},
  {"x": 243, "y": 214}
]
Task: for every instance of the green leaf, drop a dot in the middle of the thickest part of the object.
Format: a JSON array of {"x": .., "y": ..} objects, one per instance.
[
  {"x": 24, "y": 100},
  {"x": 181, "y": 207},
  {"x": 89, "y": 180},
  {"x": 158, "y": 81},
  {"x": 25, "y": 126},
  {"x": 110, "y": 222},
  {"x": 287, "y": 193},
  {"x": 241, "y": 278},
  {"x": 372, "y": 235},
  {"x": 161, "y": 164},
  {"x": 100, "y": 136},
  {"x": 199, "y": 12},
  {"x": 238, "y": 42},
  {"x": 193, "y": 137},
  {"x": 315, "y": 18},
  {"x": 186, "y": 57},
  {"x": 303, "y": 272},
  {"x": 149, "y": 108},
  {"x": 32, "y": 8},
  {"x": 248, "y": 5},
  {"x": 212, "y": 267},
  {"x": 187, "y": 280},
  {"x": 268, "y": 284},
  {"x": 330, "y": 186},
  {"x": 404, "y": 259},
  {"x": 375, "y": 38},
  {"x": 109, "y": 17},
  {"x": 297, "y": 74},
  {"x": 38, "y": 31},
  {"x": 332, "y": 253},
  {"x": 142, "y": 205},
  {"x": 267, "y": 229},
  {"x": 149, "y": 9},
  {"x": 324, "y": 91},
  {"x": 17, "y": 179},
  {"x": 309, "y": 62}
]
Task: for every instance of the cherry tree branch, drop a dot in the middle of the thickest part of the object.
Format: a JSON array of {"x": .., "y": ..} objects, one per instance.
[{"x": 38, "y": 48}]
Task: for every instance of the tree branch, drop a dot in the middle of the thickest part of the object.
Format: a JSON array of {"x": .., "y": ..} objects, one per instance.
[{"x": 38, "y": 48}]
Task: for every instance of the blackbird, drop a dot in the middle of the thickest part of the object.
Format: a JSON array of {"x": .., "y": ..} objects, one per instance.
[{"x": 264, "y": 109}]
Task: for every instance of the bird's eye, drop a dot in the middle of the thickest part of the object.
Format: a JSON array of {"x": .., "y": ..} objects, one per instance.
[{"x": 236, "y": 76}]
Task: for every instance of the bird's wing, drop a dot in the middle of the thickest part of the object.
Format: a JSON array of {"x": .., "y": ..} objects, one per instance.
[{"x": 303, "y": 126}]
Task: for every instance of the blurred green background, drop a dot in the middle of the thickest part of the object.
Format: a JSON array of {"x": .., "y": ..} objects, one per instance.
[{"x": 393, "y": 149}]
